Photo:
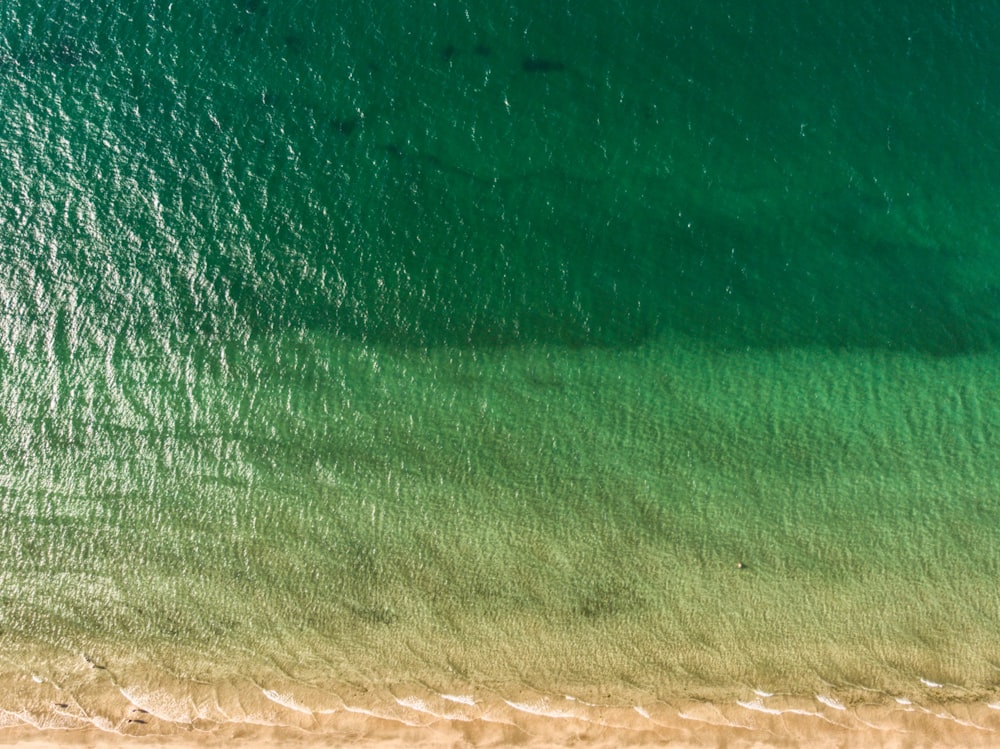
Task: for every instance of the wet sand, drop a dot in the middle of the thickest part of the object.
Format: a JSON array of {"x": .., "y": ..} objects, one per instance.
[{"x": 411, "y": 716}]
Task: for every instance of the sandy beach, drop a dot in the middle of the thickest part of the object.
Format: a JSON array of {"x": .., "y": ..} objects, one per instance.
[{"x": 406, "y": 717}]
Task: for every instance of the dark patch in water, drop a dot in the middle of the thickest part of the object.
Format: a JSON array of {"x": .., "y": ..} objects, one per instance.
[
  {"x": 450, "y": 51},
  {"x": 272, "y": 98},
  {"x": 93, "y": 663},
  {"x": 608, "y": 600},
  {"x": 345, "y": 126},
  {"x": 541, "y": 65},
  {"x": 432, "y": 160},
  {"x": 376, "y": 615},
  {"x": 294, "y": 42}
]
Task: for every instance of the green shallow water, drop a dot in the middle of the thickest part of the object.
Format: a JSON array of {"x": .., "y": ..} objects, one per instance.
[
  {"x": 546, "y": 500},
  {"x": 378, "y": 344}
]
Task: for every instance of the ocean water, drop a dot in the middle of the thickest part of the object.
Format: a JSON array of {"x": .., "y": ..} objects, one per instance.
[{"x": 355, "y": 356}]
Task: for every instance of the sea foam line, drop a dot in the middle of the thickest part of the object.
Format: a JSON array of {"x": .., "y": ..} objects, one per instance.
[
  {"x": 541, "y": 708},
  {"x": 160, "y": 704},
  {"x": 287, "y": 701},
  {"x": 760, "y": 707},
  {"x": 460, "y": 699},
  {"x": 415, "y": 703},
  {"x": 830, "y": 702},
  {"x": 956, "y": 719}
]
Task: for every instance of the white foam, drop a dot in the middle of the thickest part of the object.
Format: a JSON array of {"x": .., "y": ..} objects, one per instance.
[
  {"x": 830, "y": 702},
  {"x": 169, "y": 707},
  {"x": 286, "y": 701},
  {"x": 540, "y": 708},
  {"x": 414, "y": 703},
  {"x": 160, "y": 704},
  {"x": 758, "y": 707},
  {"x": 993, "y": 705},
  {"x": 643, "y": 712},
  {"x": 903, "y": 701},
  {"x": 460, "y": 699},
  {"x": 961, "y": 722},
  {"x": 104, "y": 724},
  {"x": 16, "y": 719},
  {"x": 762, "y": 693},
  {"x": 929, "y": 683}
]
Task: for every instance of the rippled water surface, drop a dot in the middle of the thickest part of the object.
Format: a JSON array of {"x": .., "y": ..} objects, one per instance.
[{"x": 642, "y": 352}]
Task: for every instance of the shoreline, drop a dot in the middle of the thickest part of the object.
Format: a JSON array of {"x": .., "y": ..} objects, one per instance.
[{"x": 410, "y": 715}]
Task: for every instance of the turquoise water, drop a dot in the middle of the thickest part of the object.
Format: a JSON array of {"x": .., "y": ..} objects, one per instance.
[{"x": 478, "y": 345}]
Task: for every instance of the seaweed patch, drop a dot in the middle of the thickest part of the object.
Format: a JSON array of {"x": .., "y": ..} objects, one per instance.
[{"x": 541, "y": 65}]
